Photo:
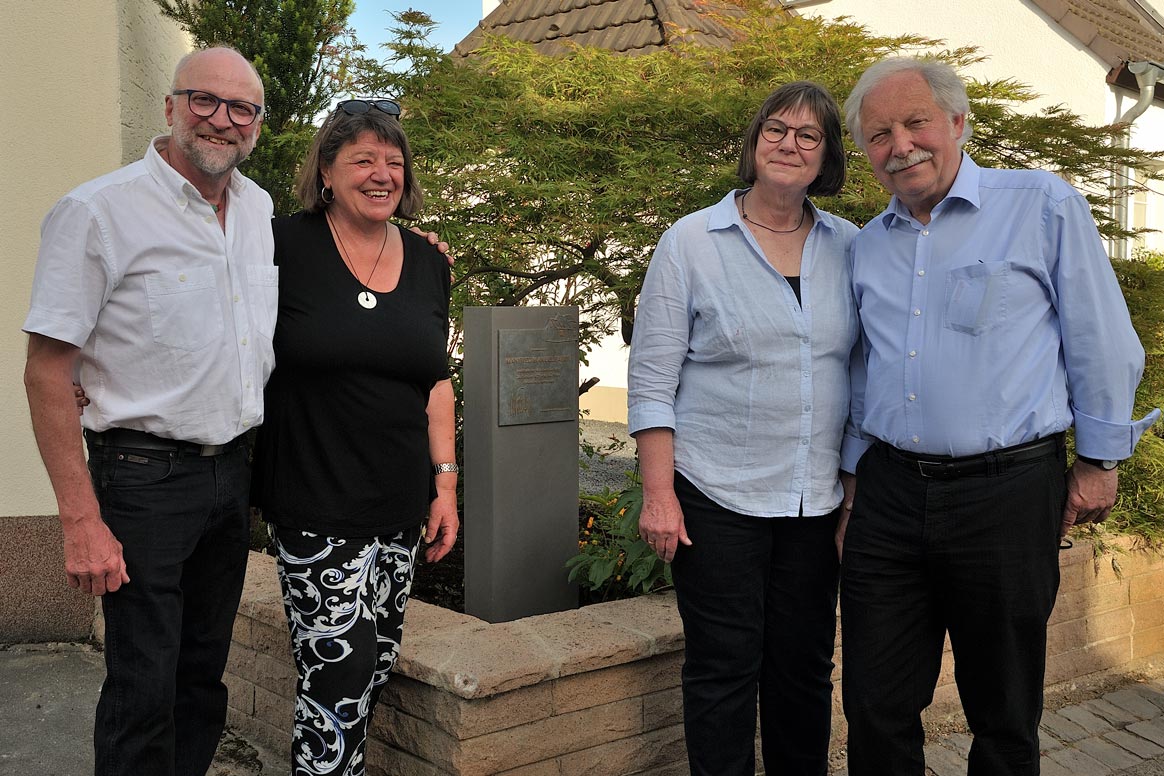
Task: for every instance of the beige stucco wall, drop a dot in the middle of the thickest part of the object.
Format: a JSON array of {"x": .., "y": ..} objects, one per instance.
[{"x": 83, "y": 84}]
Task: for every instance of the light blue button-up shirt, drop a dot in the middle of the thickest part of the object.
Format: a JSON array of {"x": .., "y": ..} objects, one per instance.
[
  {"x": 998, "y": 322},
  {"x": 754, "y": 385}
]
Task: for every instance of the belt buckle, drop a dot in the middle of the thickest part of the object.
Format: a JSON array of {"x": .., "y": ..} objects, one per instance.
[
  {"x": 937, "y": 467},
  {"x": 206, "y": 451}
]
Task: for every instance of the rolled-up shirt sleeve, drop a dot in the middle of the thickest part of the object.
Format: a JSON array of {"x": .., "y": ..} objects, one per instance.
[
  {"x": 1101, "y": 351},
  {"x": 660, "y": 341}
]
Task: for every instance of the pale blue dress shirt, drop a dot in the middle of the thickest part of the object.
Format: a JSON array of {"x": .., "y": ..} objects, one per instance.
[
  {"x": 997, "y": 323},
  {"x": 754, "y": 385}
]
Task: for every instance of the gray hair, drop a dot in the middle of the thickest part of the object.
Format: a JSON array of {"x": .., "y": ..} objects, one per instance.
[{"x": 946, "y": 85}]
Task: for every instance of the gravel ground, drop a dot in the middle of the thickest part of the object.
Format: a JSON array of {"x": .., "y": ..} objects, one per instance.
[{"x": 596, "y": 473}]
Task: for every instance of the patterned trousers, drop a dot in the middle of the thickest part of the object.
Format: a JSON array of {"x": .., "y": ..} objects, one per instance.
[{"x": 345, "y": 602}]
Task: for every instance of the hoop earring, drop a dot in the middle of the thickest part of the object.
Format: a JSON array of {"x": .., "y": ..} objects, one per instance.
[{"x": 326, "y": 195}]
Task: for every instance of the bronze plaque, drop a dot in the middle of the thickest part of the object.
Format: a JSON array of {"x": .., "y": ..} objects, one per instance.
[{"x": 538, "y": 373}]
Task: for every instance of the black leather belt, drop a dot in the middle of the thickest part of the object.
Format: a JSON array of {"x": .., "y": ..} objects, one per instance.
[
  {"x": 995, "y": 462},
  {"x": 141, "y": 440}
]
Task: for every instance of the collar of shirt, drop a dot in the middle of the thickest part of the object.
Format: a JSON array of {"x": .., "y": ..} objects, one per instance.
[
  {"x": 965, "y": 187},
  {"x": 724, "y": 214},
  {"x": 177, "y": 187}
]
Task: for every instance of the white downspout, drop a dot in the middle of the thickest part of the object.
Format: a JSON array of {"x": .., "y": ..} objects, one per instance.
[{"x": 1148, "y": 74}]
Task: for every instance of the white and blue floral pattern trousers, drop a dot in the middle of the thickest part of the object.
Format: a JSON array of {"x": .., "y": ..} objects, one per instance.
[{"x": 345, "y": 601}]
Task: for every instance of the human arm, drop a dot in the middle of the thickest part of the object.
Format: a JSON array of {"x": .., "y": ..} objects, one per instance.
[
  {"x": 661, "y": 521},
  {"x": 93, "y": 558},
  {"x": 441, "y": 530},
  {"x": 1103, "y": 358}
]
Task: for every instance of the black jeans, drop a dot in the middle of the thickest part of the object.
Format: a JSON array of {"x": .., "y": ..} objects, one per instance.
[
  {"x": 758, "y": 598},
  {"x": 182, "y": 521},
  {"x": 975, "y": 556}
]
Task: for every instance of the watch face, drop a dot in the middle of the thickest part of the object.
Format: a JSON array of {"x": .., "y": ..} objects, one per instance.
[{"x": 1109, "y": 465}]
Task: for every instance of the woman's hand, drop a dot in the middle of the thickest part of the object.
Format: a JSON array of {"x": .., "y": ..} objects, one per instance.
[
  {"x": 661, "y": 523},
  {"x": 441, "y": 530}
]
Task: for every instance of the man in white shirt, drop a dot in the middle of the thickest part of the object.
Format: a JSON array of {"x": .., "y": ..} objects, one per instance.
[{"x": 155, "y": 286}]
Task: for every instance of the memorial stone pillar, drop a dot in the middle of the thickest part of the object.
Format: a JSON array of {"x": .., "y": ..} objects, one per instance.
[{"x": 521, "y": 460}]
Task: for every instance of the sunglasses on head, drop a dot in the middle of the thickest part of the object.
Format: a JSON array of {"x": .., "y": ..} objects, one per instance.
[{"x": 356, "y": 107}]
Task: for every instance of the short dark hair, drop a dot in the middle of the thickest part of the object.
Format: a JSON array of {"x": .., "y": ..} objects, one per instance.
[
  {"x": 337, "y": 131},
  {"x": 816, "y": 98}
]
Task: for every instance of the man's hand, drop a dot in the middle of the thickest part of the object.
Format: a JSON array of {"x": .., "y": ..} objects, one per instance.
[
  {"x": 93, "y": 559},
  {"x": 1091, "y": 493},
  {"x": 849, "y": 484},
  {"x": 434, "y": 239},
  {"x": 661, "y": 523}
]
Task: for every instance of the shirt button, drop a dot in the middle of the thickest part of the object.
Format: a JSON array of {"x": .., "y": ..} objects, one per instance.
[
  {"x": 236, "y": 297},
  {"x": 210, "y": 219},
  {"x": 804, "y": 340},
  {"x": 921, "y": 273},
  {"x": 181, "y": 278},
  {"x": 182, "y": 202},
  {"x": 913, "y": 354},
  {"x": 916, "y": 439},
  {"x": 808, "y": 408},
  {"x": 248, "y": 383},
  {"x": 804, "y": 441},
  {"x": 913, "y": 397},
  {"x": 244, "y": 340},
  {"x": 925, "y": 232},
  {"x": 917, "y": 312}
]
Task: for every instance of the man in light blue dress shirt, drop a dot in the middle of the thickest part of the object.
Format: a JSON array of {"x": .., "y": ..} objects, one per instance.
[{"x": 991, "y": 323}]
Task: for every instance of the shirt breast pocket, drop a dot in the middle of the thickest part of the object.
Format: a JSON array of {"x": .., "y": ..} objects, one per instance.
[
  {"x": 185, "y": 312},
  {"x": 976, "y": 297}
]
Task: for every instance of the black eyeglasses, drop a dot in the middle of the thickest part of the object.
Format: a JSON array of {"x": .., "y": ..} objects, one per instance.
[
  {"x": 806, "y": 138},
  {"x": 204, "y": 105},
  {"x": 356, "y": 107}
]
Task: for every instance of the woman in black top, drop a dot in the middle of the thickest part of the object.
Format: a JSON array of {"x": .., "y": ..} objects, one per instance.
[{"x": 357, "y": 449}]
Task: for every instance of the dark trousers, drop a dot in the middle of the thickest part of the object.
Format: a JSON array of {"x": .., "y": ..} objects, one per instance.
[
  {"x": 182, "y": 521},
  {"x": 758, "y": 599},
  {"x": 976, "y": 557},
  {"x": 345, "y": 601}
]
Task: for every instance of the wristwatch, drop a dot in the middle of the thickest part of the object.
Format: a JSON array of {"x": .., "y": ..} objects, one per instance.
[
  {"x": 442, "y": 468},
  {"x": 1098, "y": 463}
]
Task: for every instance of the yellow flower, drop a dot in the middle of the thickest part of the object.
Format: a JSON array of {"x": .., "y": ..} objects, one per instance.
[{"x": 590, "y": 522}]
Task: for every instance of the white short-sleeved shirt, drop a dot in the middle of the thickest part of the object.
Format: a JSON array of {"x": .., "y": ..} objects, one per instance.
[{"x": 173, "y": 316}]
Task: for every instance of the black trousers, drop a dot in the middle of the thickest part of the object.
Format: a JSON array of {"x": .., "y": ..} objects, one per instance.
[
  {"x": 758, "y": 599},
  {"x": 976, "y": 557},
  {"x": 183, "y": 523}
]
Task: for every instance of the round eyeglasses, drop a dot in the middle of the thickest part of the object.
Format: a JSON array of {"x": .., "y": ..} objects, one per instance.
[
  {"x": 806, "y": 138},
  {"x": 356, "y": 107},
  {"x": 204, "y": 105}
]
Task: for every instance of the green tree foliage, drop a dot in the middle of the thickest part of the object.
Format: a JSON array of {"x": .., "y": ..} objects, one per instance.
[
  {"x": 554, "y": 177},
  {"x": 306, "y": 55}
]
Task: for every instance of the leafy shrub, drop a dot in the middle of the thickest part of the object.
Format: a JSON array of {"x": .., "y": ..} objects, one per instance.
[{"x": 613, "y": 561}]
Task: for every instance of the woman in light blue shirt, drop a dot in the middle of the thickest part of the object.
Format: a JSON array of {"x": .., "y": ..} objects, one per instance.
[{"x": 738, "y": 394}]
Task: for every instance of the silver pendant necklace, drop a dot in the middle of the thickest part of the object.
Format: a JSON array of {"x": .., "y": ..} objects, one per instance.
[{"x": 366, "y": 298}]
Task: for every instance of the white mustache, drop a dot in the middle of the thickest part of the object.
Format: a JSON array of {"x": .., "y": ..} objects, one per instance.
[{"x": 897, "y": 164}]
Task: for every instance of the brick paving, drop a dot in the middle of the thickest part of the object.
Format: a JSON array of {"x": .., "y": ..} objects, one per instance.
[{"x": 1118, "y": 734}]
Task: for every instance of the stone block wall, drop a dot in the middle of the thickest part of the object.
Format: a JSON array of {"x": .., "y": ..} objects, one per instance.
[{"x": 596, "y": 690}]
